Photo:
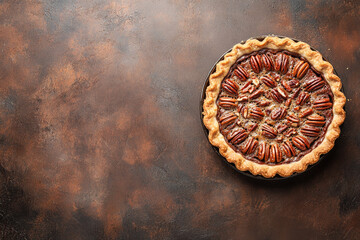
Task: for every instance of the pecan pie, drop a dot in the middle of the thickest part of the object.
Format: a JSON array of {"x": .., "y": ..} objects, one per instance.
[{"x": 273, "y": 106}]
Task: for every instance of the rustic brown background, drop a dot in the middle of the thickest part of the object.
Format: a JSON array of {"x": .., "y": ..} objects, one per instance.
[{"x": 100, "y": 136}]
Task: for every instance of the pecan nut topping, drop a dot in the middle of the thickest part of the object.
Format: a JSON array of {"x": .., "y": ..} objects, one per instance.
[
  {"x": 288, "y": 148},
  {"x": 293, "y": 118},
  {"x": 301, "y": 142},
  {"x": 294, "y": 83},
  {"x": 237, "y": 136},
  {"x": 267, "y": 61},
  {"x": 230, "y": 86},
  {"x": 314, "y": 84},
  {"x": 322, "y": 104},
  {"x": 282, "y": 93},
  {"x": 264, "y": 151},
  {"x": 296, "y": 93},
  {"x": 264, "y": 103},
  {"x": 227, "y": 119},
  {"x": 282, "y": 128},
  {"x": 316, "y": 121},
  {"x": 290, "y": 132},
  {"x": 255, "y": 62},
  {"x": 256, "y": 113},
  {"x": 276, "y": 95},
  {"x": 310, "y": 131},
  {"x": 275, "y": 153},
  {"x": 252, "y": 127},
  {"x": 241, "y": 73},
  {"x": 278, "y": 113},
  {"x": 251, "y": 88},
  {"x": 243, "y": 110},
  {"x": 246, "y": 87},
  {"x": 268, "y": 81},
  {"x": 269, "y": 131},
  {"x": 288, "y": 102},
  {"x": 282, "y": 63},
  {"x": 256, "y": 82},
  {"x": 256, "y": 94},
  {"x": 286, "y": 85},
  {"x": 242, "y": 98},
  {"x": 303, "y": 98},
  {"x": 227, "y": 102},
  {"x": 300, "y": 69},
  {"x": 306, "y": 113},
  {"x": 250, "y": 146}
]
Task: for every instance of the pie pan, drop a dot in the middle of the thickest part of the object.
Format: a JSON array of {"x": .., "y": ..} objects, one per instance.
[{"x": 247, "y": 173}]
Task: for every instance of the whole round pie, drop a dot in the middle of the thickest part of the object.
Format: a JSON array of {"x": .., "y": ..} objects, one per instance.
[{"x": 273, "y": 106}]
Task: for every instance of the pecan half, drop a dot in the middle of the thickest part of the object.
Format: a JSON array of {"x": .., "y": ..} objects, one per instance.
[
  {"x": 303, "y": 98},
  {"x": 278, "y": 113},
  {"x": 264, "y": 103},
  {"x": 227, "y": 102},
  {"x": 296, "y": 93},
  {"x": 241, "y": 73},
  {"x": 250, "y": 146},
  {"x": 306, "y": 112},
  {"x": 256, "y": 94},
  {"x": 322, "y": 104},
  {"x": 264, "y": 151},
  {"x": 244, "y": 111},
  {"x": 293, "y": 118},
  {"x": 294, "y": 83},
  {"x": 288, "y": 102},
  {"x": 289, "y": 132},
  {"x": 275, "y": 153},
  {"x": 237, "y": 136},
  {"x": 300, "y": 69},
  {"x": 230, "y": 86},
  {"x": 227, "y": 119},
  {"x": 288, "y": 148},
  {"x": 301, "y": 142},
  {"x": 251, "y": 127},
  {"x": 282, "y": 93},
  {"x": 316, "y": 121},
  {"x": 276, "y": 96},
  {"x": 255, "y": 62},
  {"x": 246, "y": 87},
  {"x": 269, "y": 131},
  {"x": 242, "y": 98},
  {"x": 314, "y": 84},
  {"x": 282, "y": 63},
  {"x": 240, "y": 106},
  {"x": 268, "y": 81},
  {"x": 286, "y": 85},
  {"x": 251, "y": 88},
  {"x": 267, "y": 61},
  {"x": 268, "y": 120},
  {"x": 322, "y": 91},
  {"x": 256, "y": 82},
  {"x": 310, "y": 131},
  {"x": 256, "y": 113},
  {"x": 282, "y": 128}
]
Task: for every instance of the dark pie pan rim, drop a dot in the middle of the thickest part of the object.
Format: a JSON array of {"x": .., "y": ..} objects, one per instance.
[{"x": 216, "y": 149}]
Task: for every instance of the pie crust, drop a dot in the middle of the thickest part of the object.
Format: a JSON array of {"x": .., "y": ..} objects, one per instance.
[{"x": 210, "y": 107}]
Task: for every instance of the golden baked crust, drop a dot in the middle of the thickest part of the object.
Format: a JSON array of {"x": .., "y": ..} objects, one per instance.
[{"x": 210, "y": 107}]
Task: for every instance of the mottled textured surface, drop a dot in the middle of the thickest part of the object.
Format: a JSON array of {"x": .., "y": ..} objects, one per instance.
[{"x": 100, "y": 135}]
